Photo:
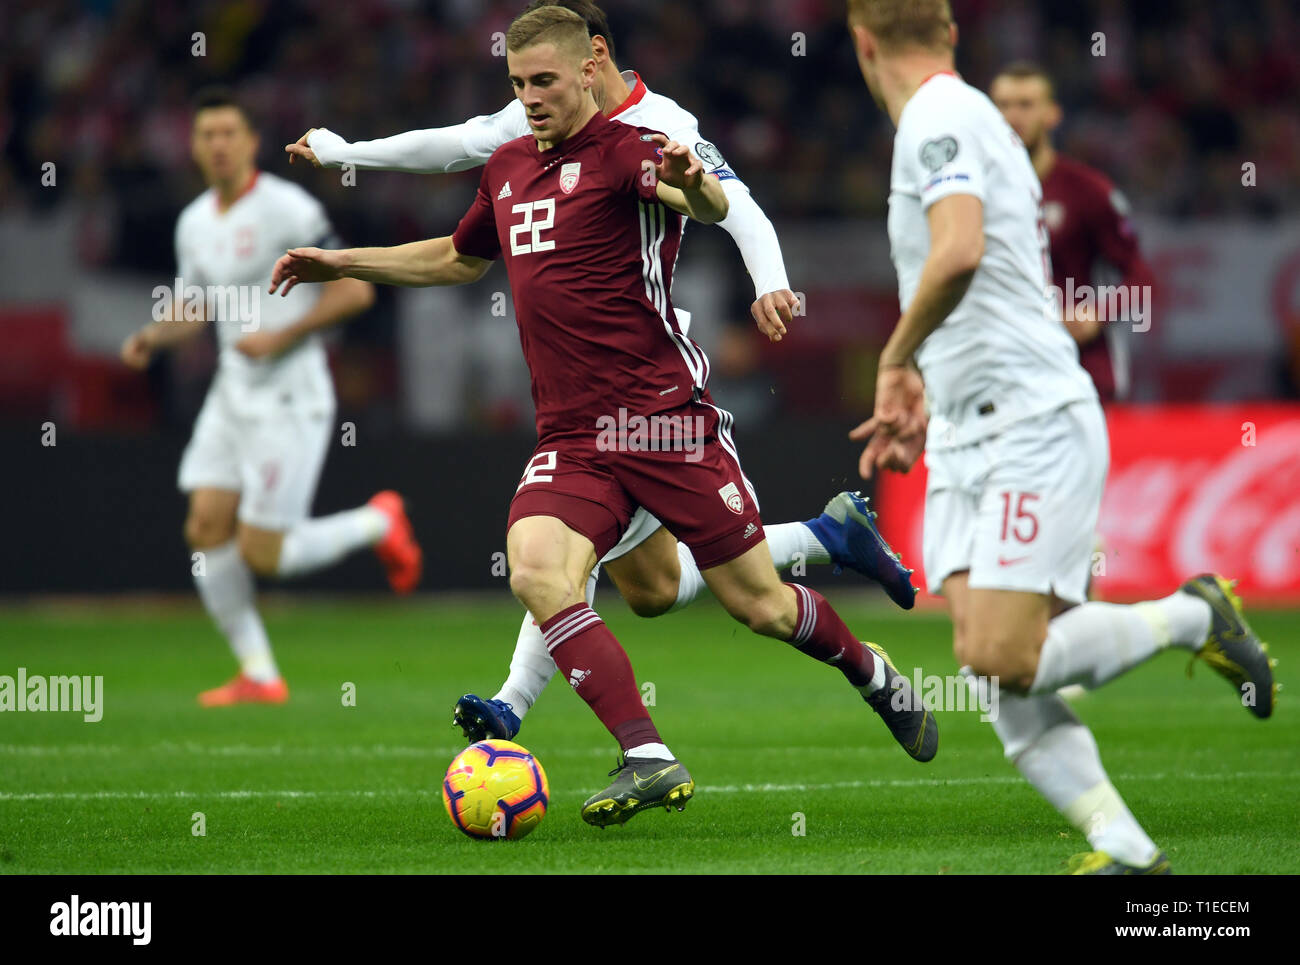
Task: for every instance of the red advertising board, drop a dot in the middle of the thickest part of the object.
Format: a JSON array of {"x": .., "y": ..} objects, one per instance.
[{"x": 1191, "y": 489}]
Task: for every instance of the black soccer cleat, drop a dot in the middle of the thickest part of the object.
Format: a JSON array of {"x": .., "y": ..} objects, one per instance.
[
  {"x": 1231, "y": 647},
  {"x": 903, "y": 711},
  {"x": 639, "y": 783}
]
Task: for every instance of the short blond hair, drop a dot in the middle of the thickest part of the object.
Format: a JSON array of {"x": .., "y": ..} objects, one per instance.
[
  {"x": 905, "y": 23},
  {"x": 551, "y": 25}
]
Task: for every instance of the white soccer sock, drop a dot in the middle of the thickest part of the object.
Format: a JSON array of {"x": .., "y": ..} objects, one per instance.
[
  {"x": 225, "y": 586},
  {"x": 785, "y": 541},
  {"x": 656, "y": 751},
  {"x": 790, "y": 541},
  {"x": 316, "y": 543},
  {"x": 1057, "y": 754},
  {"x": 531, "y": 666},
  {"x": 803, "y": 541},
  {"x": 531, "y": 669},
  {"x": 690, "y": 584},
  {"x": 1096, "y": 642}
]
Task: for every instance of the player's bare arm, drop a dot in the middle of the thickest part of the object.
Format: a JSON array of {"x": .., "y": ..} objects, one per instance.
[
  {"x": 896, "y": 430},
  {"x": 683, "y": 185},
  {"x": 139, "y": 347},
  {"x": 956, "y": 246},
  {"x": 340, "y": 300},
  {"x": 415, "y": 265}
]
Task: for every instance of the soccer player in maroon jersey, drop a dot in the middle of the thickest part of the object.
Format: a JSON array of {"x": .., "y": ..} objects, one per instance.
[
  {"x": 1087, "y": 218},
  {"x": 585, "y": 213}
]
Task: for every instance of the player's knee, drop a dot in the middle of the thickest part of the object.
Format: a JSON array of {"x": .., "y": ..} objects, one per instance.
[
  {"x": 1007, "y": 655},
  {"x": 765, "y": 615},
  {"x": 260, "y": 553},
  {"x": 650, "y": 600},
  {"x": 205, "y": 531},
  {"x": 539, "y": 588}
]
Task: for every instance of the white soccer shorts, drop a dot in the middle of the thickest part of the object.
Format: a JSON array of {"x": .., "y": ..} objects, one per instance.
[
  {"x": 273, "y": 460},
  {"x": 639, "y": 529},
  {"x": 1019, "y": 509}
]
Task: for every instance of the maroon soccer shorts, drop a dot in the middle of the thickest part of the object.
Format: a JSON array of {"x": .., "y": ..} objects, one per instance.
[{"x": 680, "y": 465}]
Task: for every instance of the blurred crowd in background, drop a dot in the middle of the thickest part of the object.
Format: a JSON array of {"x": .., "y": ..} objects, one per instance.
[{"x": 1184, "y": 92}]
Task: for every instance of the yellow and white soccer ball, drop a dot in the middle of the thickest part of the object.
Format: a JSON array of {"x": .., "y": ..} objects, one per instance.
[{"x": 495, "y": 789}]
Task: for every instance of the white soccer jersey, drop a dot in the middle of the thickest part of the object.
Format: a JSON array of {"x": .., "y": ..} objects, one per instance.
[
  {"x": 469, "y": 145},
  {"x": 229, "y": 255},
  {"x": 643, "y": 108},
  {"x": 1000, "y": 356}
]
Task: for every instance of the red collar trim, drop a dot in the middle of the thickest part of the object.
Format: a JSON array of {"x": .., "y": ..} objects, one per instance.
[
  {"x": 938, "y": 73},
  {"x": 638, "y": 92},
  {"x": 216, "y": 196}
]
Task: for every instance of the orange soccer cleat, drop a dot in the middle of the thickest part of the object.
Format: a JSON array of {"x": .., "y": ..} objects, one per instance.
[
  {"x": 245, "y": 690},
  {"x": 398, "y": 550}
]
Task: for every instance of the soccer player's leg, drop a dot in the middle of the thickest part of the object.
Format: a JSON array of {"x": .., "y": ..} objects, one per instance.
[
  {"x": 278, "y": 539},
  {"x": 561, "y": 520},
  {"x": 652, "y": 583},
  {"x": 1043, "y": 543},
  {"x": 995, "y": 641},
  {"x": 707, "y": 502},
  {"x": 531, "y": 669},
  {"x": 1030, "y": 529},
  {"x": 225, "y": 586},
  {"x": 644, "y": 566},
  {"x": 210, "y": 475},
  {"x": 751, "y": 591},
  {"x": 649, "y": 571}
]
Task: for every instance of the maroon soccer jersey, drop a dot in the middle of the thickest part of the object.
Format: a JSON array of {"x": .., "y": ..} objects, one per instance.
[
  {"x": 1087, "y": 218},
  {"x": 590, "y": 250}
]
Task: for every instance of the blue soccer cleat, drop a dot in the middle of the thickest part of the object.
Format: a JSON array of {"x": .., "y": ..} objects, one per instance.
[
  {"x": 485, "y": 719},
  {"x": 847, "y": 530}
]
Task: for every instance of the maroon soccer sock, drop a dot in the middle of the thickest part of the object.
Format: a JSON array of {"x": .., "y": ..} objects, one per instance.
[
  {"x": 596, "y": 666},
  {"x": 820, "y": 633}
]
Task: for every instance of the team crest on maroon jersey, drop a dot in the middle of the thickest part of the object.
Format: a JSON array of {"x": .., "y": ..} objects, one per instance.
[
  {"x": 731, "y": 496},
  {"x": 569, "y": 174}
]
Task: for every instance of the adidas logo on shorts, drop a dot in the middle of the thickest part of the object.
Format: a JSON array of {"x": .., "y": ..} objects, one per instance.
[{"x": 578, "y": 676}]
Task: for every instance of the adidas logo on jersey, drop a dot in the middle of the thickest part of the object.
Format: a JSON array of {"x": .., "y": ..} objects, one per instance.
[
  {"x": 504, "y": 192},
  {"x": 578, "y": 676}
]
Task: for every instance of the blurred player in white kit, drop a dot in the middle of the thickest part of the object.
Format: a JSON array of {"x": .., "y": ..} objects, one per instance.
[
  {"x": 255, "y": 457},
  {"x": 980, "y": 372}
]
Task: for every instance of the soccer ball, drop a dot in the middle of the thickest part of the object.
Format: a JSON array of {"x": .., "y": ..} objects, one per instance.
[{"x": 495, "y": 789}]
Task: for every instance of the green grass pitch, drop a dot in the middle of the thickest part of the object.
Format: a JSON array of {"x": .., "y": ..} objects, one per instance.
[{"x": 316, "y": 786}]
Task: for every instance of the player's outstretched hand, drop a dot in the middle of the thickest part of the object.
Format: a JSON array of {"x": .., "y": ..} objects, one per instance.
[
  {"x": 137, "y": 351},
  {"x": 774, "y": 311},
  {"x": 678, "y": 168},
  {"x": 895, "y": 434},
  {"x": 299, "y": 148},
  {"x": 305, "y": 264}
]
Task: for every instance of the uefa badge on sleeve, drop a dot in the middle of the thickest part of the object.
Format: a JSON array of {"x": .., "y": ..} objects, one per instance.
[{"x": 569, "y": 174}]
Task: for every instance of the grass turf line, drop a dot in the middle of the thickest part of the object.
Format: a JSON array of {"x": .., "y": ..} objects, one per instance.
[{"x": 315, "y": 786}]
